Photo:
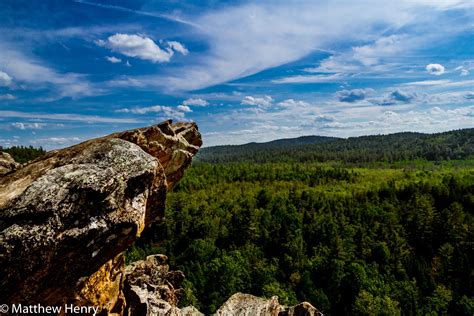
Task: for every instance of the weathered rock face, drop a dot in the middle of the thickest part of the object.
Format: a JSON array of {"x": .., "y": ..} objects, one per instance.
[
  {"x": 151, "y": 289},
  {"x": 7, "y": 164},
  {"x": 241, "y": 304},
  {"x": 66, "y": 217}
]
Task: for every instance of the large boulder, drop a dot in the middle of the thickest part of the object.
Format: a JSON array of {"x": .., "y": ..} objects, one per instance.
[
  {"x": 7, "y": 164},
  {"x": 66, "y": 218},
  {"x": 241, "y": 304}
]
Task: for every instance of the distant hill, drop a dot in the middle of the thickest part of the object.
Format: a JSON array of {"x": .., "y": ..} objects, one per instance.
[
  {"x": 252, "y": 151},
  {"x": 457, "y": 144},
  {"x": 303, "y": 140}
]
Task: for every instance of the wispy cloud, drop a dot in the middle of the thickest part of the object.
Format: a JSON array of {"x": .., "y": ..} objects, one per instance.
[
  {"x": 469, "y": 96},
  {"x": 113, "y": 60},
  {"x": 395, "y": 97},
  {"x": 7, "y": 96},
  {"x": 170, "y": 17},
  {"x": 260, "y": 43},
  {"x": 66, "y": 117},
  {"x": 354, "y": 95},
  {"x": 303, "y": 27},
  {"x": 463, "y": 71},
  {"x": 36, "y": 75},
  {"x": 5, "y": 79},
  {"x": 309, "y": 79},
  {"x": 195, "y": 102},
  {"x": 293, "y": 104},
  {"x": 23, "y": 126},
  {"x": 264, "y": 101},
  {"x": 166, "y": 112},
  {"x": 444, "y": 83},
  {"x": 54, "y": 142},
  {"x": 382, "y": 55}
]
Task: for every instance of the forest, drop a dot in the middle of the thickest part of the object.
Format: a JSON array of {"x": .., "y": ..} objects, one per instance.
[
  {"x": 23, "y": 154},
  {"x": 379, "y": 225}
]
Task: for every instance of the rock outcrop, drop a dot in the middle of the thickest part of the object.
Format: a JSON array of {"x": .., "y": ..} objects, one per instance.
[
  {"x": 241, "y": 304},
  {"x": 66, "y": 218},
  {"x": 7, "y": 164}
]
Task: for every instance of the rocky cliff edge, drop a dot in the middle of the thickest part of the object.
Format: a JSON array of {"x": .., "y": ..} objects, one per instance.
[{"x": 67, "y": 217}]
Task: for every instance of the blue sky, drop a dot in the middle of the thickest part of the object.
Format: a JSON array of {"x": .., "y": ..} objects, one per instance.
[{"x": 244, "y": 71}]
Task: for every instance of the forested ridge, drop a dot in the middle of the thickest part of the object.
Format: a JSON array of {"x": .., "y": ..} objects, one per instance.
[
  {"x": 457, "y": 144},
  {"x": 386, "y": 237}
]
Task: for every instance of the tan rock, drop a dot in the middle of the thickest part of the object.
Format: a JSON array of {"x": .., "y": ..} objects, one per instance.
[
  {"x": 241, "y": 304},
  {"x": 151, "y": 289},
  {"x": 65, "y": 217},
  {"x": 7, "y": 164}
]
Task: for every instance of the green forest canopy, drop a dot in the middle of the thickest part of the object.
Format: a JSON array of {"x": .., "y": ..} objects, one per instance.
[
  {"x": 374, "y": 229},
  {"x": 23, "y": 154}
]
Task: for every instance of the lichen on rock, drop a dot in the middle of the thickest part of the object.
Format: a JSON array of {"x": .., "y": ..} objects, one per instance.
[
  {"x": 66, "y": 217},
  {"x": 241, "y": 304}
]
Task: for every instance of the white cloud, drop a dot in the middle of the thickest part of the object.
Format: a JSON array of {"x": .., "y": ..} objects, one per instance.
[
  {"x": 184, "y": 108},
  {"x": 166, "y": 111},
  {"x": 256, "y": 101},
  {"x": 58, "y": 140},
  {"x": 133, "y": 45},
  {"x": 178, "y": 47},
  {"x": 433, "y": 119},
  {"x": 291, "y": 103},
  {"x": 463, "y": 71},
  {"x": 195, "y": 102},
  {"x": 309, "y": 79},
  {"x": 5, "y": 79},
  {"x": 7, "y": 96},
  {"x": 370, "y": 55},
  {"x": 113, "y": 60},
  {"x": 382, "y": 55},
  {"x": 435, "y": 69},
  {"x": 395, "y": 97},
  {"x": 441, "y": 83},
  {"x": 354, "y": 95},
  {"x": 427, "y": 83},
  {"x": 23, "y": 126}
]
